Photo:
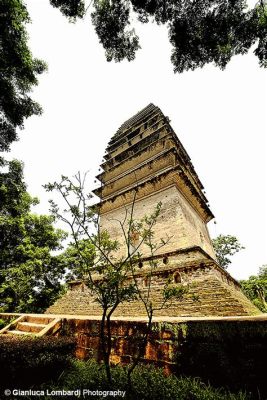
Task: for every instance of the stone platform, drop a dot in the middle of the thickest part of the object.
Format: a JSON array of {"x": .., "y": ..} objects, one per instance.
[{"x": 211, "y": 290}]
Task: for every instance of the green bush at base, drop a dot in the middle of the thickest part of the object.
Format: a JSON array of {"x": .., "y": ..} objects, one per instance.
[
  {"x": 148, "y": 383},
  {"x": 27, "y": 361},
  {"x": 2, "y": 323},
  {"x": 226, "y": 353}
]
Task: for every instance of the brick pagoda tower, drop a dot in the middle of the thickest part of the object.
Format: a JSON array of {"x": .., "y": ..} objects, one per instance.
[
  {"x": 146, "y": 156},
  {"x": 146, "y": 162}
]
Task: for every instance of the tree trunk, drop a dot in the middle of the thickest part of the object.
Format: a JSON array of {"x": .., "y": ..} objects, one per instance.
[
  {"x": 141, "y": 351},
  {"x": 104, "y": 345}
]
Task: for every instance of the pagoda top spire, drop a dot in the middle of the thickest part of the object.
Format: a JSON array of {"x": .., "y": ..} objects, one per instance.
[{"x": 130, "y": 123}]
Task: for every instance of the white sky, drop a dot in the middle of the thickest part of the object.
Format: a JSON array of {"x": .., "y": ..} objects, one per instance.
[{"x": 219, "y": 116}]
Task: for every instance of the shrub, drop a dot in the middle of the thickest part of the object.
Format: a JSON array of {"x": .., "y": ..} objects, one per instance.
[
  {"x": 2, "y": 323},
  {"x": 148, "y": 383},
  {"x": 28, "y": 361},
  {"x": 226, "y": 353},
  {"x": 6, "y": 321}
]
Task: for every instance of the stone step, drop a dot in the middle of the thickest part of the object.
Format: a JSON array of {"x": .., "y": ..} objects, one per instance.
[
  {"x": 30, "y": 327},
  {"x": 33, "y": 325},
  {"x": 38, "y": 320},
  {"x": 16, "y": 332}
]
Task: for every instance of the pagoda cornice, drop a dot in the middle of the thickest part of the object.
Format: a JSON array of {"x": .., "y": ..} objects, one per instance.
[
  {"x": 158, "y": 163},
  {"x": 169, "y": 177},
  {"x": 132, "y": 156},
  {"x": 135, "y": 168}
]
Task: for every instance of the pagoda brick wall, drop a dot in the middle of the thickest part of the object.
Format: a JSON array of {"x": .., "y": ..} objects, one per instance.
[
  {"x": 177, "y": 220},
  {"x": 211, "y": 292}
]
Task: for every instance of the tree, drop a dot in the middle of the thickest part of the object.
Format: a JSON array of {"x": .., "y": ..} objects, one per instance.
[
  {"x": 111, "y": 279},
  {"x": 255, "y": 288},
  {"x": 106, "y": 278},
  {"x": 29, "y": 274},
  {"x": 144, "y": 231},
  {"x": 78, "y": 258},
  {"x": 226, "y": 246},
  {"x": 18, "y": 71},
  {"x": 200, "y": 31}
]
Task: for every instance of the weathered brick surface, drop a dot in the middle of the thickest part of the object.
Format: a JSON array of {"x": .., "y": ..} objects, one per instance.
[
  {"x": 178, "y": 220},
  {"x": 185, "y": 346},
  {"x": 212, "y": 292}
]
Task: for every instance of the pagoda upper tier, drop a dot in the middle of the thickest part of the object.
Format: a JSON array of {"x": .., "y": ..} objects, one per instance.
[{"x": 145, "y": 155}]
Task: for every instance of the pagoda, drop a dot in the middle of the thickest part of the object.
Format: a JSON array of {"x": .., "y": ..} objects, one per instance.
[{"x": 146, "y": 164}]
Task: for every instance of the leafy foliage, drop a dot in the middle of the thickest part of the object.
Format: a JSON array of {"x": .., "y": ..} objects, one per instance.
[
  {"x": 2, "y": 323},
  {"x": 200, "y": 31},
  {"x": 173, "y": 291},
  {"x": 226, "y": 246},
  {"x": 78, "y": 258},
  {"x": 148, "y": 383},
  {"x": 105, "y": 276},
  {"x": 29, "y": 273},
  {"x": 71, "y": 9},
  {"x": 110, "y": 20},
  {"x": 256, "y": 288},
  {"x": 30, "y": 361},
  {"x": 226, "y": 353},
  {"x": 18, "y": 71}
]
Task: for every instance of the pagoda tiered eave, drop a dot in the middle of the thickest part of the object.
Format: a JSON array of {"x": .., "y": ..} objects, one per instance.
[{"x": 172, "y": 176}]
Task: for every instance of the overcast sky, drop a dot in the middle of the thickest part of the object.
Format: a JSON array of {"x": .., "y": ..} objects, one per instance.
[{"x": 219, "y": 116}]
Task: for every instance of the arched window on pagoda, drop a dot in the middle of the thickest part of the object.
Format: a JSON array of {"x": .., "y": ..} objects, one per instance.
[{"x": 177, "y": 278}]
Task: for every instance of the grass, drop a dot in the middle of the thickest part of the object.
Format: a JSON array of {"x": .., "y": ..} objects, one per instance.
[{"x": 148, "y": 383}]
